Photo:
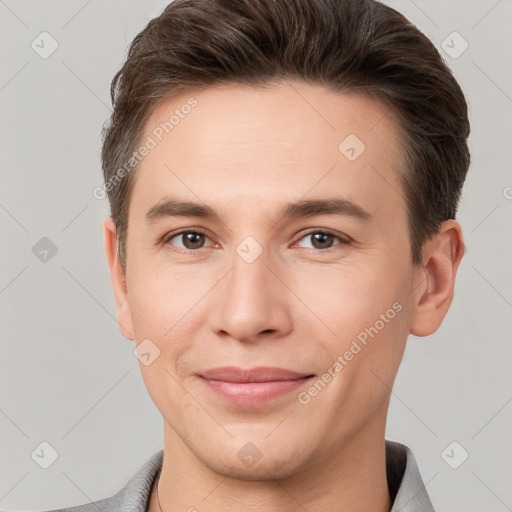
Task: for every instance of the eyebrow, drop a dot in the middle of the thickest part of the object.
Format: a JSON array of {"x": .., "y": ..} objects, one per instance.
[{"x": 302, "y": 208}]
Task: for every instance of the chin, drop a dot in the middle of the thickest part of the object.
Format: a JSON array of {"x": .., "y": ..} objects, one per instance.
[
  {"x": 251, "y": 464},
  {"x": 260, "y": 472}
]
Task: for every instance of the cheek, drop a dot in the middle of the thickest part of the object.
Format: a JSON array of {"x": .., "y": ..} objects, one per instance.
[
  {"x": 165, "y": 305},
  {"x": 163, "y": 298},
  {"x": 347, "y": 297},
  {"x": 162, "y": 307},
  {"x": 361, "y": 315}
]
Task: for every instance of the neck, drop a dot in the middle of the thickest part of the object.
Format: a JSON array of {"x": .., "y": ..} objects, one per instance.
[{"x": 352, "y": 480}]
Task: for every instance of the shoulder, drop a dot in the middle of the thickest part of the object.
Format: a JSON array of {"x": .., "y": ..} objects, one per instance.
[
  {"x": 133, "y": 497},
  {"x": 104, "y": 505}
]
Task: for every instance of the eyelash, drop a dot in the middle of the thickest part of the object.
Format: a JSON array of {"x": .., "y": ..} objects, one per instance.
[{"x": 343, "y": 239}]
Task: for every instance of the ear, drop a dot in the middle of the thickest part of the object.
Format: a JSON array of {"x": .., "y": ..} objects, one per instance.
[
  {"x": 118, "y": 279},
  {"x": 441, "y": 257}
]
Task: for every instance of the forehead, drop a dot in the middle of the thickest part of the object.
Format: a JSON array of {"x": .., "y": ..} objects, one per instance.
[{"x": 262, "y": 143}]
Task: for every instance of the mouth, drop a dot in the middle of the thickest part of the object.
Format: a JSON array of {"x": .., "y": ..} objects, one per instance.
[{"x": 253, "y": 386}]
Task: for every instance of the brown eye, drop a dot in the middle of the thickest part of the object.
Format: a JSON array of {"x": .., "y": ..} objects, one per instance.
[
  {"x": 187, "y": 240},
  {"x": 324, "y": 240},
  {"x": 192, "y": 240}
]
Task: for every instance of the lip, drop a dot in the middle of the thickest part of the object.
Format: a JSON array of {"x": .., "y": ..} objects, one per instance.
[{"x": 252, "y": 386}]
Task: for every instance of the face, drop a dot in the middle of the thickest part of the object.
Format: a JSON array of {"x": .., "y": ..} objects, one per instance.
[{"x": 279, "y": 306}]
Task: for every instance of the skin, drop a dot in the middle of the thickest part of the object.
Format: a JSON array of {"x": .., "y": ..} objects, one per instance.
[{"x": 247, "y": 152}]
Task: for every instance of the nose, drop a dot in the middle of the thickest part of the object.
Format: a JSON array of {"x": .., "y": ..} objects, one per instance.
[{"x": 252, "y": 301}]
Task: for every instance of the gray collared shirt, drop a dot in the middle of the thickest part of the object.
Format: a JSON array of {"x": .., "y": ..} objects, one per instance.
[
  {"x": 406, "y": 486},
  {"x": 405, "y": 483}
]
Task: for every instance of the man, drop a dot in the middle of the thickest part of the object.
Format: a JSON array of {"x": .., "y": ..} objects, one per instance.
[{"x": 283, "y": 178}]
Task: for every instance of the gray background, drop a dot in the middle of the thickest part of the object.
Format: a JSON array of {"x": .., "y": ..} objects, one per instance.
[{"x": 69, "y": 378}]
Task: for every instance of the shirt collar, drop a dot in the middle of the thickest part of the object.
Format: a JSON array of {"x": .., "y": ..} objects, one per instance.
[{"x": 405, "y": 483}]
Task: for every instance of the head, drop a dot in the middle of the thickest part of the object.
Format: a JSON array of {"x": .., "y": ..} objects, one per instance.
[{"x": 247, "y": 107}]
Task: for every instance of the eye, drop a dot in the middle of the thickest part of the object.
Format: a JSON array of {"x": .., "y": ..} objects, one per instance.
[
  {"x": 191, "y": 239},
  {"x": 323, "y": 239}
]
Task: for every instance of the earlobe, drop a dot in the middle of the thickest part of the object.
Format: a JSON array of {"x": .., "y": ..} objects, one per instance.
[
  {"x": 442, "y": 256},
  {"x": 118, "y": 280}
]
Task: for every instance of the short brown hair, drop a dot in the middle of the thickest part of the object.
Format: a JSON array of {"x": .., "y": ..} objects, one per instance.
[{"x": 344, "y": 45}]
